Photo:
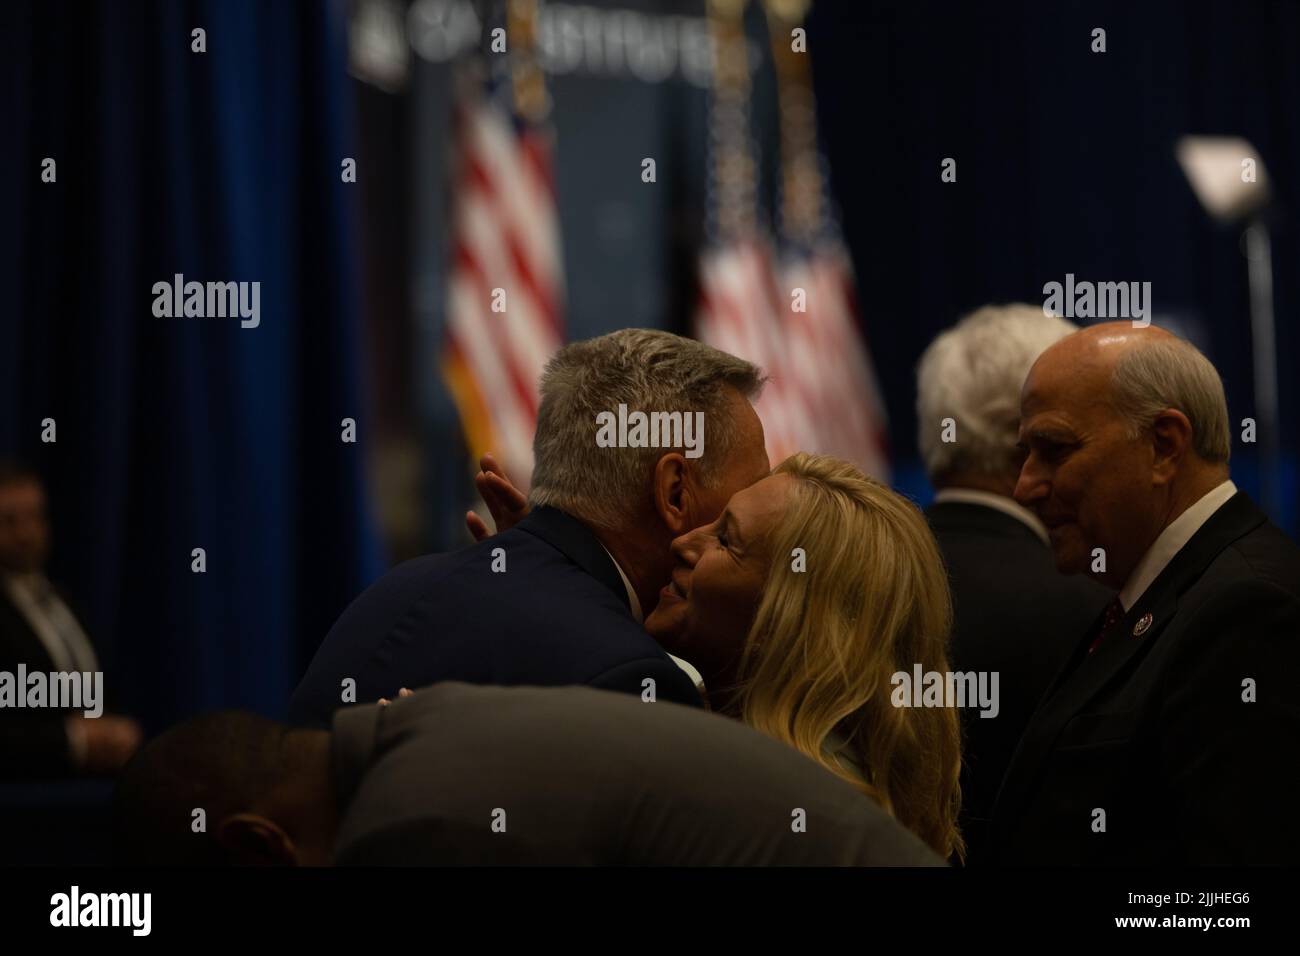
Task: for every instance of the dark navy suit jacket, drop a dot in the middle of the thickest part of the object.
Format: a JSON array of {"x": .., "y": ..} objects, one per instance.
[
  {"x": 558, "y": 614},
  {"x": 1156, "y": 727},
  {"x": 1015, "y": 615}
]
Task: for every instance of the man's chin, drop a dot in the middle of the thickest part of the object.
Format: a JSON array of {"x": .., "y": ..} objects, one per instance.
[{"x": 1070, "y": 558}]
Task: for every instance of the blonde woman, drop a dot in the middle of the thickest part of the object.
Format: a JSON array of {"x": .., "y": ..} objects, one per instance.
[{"x": 812, "y": 589}]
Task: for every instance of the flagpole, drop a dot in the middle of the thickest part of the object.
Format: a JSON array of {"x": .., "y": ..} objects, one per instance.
[{"x": 1259, "y": 257}]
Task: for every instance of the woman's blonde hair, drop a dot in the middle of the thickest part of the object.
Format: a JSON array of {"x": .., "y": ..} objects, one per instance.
[{"x": 870, "y": 600}]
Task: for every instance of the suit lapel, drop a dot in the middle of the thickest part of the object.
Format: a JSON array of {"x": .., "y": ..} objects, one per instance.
[
  {"x": 1087, "y": 674},
  {"x": 1137, "y": 629},
  {"x": 23, "y": 643},
  {"x": 575, "y": 541}
]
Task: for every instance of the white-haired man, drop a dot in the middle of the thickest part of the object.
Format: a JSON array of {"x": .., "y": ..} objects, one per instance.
[
  {"x": 559, "y": 598},
  {"x": 1013, "y": 613},
  {"x": 1170, "y": 735}
]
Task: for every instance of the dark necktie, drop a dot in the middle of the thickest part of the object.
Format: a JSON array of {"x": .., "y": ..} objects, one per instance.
[{"x": 1114, "y": 614}]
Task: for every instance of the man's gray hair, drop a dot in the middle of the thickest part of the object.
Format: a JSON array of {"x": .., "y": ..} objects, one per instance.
[
  {"x": 1164, "y": 373},
  {"x": 648, "y": 371},
  {"x": 973, "y": 373}
]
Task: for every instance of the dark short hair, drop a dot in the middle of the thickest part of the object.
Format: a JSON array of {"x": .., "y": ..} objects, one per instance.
[{"x": 222, "y": 763}]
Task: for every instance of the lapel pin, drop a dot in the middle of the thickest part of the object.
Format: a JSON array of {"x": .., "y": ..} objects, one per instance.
[{"x": 1144, "y": 622}]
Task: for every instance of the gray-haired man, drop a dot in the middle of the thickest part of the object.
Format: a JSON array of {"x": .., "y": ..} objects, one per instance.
[
  {"x": 1170, "y": 736},
  {"x": 1013, "y": 613},
  {"x": 559, "y": 598}
]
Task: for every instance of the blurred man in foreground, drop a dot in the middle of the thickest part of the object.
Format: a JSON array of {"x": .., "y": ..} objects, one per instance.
[
  {"x": 1169, "y": 737},
  {"x": 458, "y": 774}
]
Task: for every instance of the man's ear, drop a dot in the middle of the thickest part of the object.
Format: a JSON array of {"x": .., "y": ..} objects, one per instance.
[
  {"x": 673, "y": 493},
  {"x": 1171, "y": 439},
  {"x": 253, "y": 840}
]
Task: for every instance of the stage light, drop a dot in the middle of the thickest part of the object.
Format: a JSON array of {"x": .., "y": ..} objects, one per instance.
[{"x": 1230, "y": 180}]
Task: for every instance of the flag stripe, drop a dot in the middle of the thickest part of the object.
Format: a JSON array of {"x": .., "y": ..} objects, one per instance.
[{"x": 505, "y": 235}]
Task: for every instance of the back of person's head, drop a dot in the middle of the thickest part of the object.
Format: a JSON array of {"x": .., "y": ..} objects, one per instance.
[
  {"x": 871, "y": 600},
  {"x": 648, "y": 371},
  {"x": 973, "y": 373},
  {"x": 223, "y": 763}
]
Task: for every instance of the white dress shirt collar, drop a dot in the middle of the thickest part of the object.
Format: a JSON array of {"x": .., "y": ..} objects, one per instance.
[
  {"x": 1176, "y": 534},
  {"x": 53, "y": 623},
  {"x": 987, "y": 499},
  {"x": 632, "y": 600}
]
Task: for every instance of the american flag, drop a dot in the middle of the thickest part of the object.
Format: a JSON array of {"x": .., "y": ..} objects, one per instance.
[
  {"x": 822, "y": 394},
  {"x": 792, "y": 313},
  {"x": 828, "y": 359},
  {"x": 740, "y": 313},
  {"x": 505, "y": 285}
]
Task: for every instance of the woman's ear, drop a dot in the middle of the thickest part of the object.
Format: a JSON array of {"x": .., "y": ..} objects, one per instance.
[{"x": 672, "y": 493}]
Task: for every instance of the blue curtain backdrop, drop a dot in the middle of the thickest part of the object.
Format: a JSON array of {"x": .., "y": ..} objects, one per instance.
[{"x": 183, "y": 433}]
